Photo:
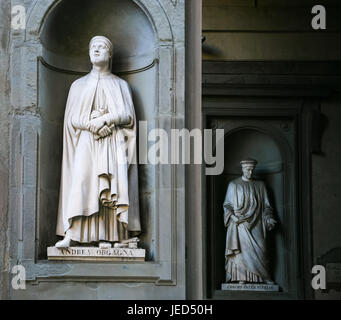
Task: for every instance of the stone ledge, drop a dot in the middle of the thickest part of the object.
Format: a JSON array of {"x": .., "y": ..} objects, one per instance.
[
  {"x": 96, "y": 254},
  {"x": 249, "y": 287}
]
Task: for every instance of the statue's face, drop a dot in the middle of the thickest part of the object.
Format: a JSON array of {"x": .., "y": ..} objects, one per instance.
[
  {"x": 99, "y": 53},
  {"x": 248, "y": 171}
]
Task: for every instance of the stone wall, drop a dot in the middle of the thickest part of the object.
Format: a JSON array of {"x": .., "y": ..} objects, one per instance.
[
  {"x": 326, "y": 186},
  {"x": 5, "y": 114},
  {"x": 163, "y": 276},
  {"x": 280, "y": 30},
  {"x": 269, "y": 30}
]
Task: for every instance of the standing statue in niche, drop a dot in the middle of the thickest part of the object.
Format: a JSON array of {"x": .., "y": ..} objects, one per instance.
[
  {"x": 248, "y": 217},
  {"x": 98, "y": 201}
]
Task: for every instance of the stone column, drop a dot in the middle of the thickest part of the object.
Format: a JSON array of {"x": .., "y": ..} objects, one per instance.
[
  {"x": 5, "y": 15},
  {"x": 194, "y": 244}
]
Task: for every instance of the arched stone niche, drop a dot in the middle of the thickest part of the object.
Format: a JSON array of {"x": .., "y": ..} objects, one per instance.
[
  {"x": 148, "y": 38},
  {"x": 65, "y": 57},
  {"x": 66, "y": 32},
  {"x": 273, "y": 148}
]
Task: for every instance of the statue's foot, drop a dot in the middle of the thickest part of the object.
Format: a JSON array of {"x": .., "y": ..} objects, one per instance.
[
  {"x": 132, "y": 243},
  {"x": 130, "y": 240},
  {"x": 65, "y": 243},
  {"x": 121, "y": 245},
  {"x": 104, "y": 245},
  {"x": 269, "y": 282}
]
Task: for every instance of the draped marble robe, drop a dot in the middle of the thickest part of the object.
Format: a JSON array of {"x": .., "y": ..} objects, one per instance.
[
  {"x": 98, "y": 198},
  {"x": 245, "y": 255}
]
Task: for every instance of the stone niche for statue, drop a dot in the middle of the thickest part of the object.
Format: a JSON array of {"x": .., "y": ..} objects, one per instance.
[
  {"x": 65, "y": 57},
  {"x": 270, "y": 142},
  {"x": 148, "y": 52}
]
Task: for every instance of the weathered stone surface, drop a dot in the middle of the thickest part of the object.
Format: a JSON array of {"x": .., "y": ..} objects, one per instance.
[
  {"x": 326, "y": 183},
  {"x": 333, "y": 271},
  {"x": 96, "y": 254},
  {"x": 4, "y": 145}
]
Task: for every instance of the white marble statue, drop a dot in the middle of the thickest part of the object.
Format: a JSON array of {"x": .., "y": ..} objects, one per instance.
[
  {"x": 248, "y": 217},
  {"x": 98, "y": 201}
]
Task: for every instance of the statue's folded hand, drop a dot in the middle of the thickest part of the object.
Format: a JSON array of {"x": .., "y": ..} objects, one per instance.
[
  {"x": 96, "y": 124},
  {"x": 104, "y": 131},
  {"x": 235, "y": 218},
  {"x": 270, "y": 223}
]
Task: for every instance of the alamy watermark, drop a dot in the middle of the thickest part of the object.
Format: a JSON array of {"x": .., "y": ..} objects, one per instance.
[
  {"x": 181, "y": 146},
  {"x": 177, "y": 146},
  {"x": 18, "y": 17},
  {"x": 19, "y": 279},
  {"x": 319, "y": 21},
  {"x": 319, "y": 279}
]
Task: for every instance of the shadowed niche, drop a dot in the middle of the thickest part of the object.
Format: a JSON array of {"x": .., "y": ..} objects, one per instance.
[
  {"x": 239, "y": 145},
  {"x": 66, "y": 33}
]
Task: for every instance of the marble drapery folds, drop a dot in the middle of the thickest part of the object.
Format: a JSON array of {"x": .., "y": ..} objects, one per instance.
[
  {"x": 245, "y": 255},
  {"x": 99, "y": 184}
]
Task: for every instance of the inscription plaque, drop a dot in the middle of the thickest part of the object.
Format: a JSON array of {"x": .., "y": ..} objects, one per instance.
[
  {"x": 96, "y": 254},
  {"x": 249, "y": 287}
]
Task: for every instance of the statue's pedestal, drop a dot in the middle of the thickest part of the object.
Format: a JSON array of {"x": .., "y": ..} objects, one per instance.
[
  {"x": 249, "y": 287},
  {"x": 95, "y": 254}
]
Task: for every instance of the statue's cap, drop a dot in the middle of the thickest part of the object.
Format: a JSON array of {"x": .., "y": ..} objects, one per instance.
[
  {"x": 248, "y": 162},
  {"x": 104, "y": 39}
]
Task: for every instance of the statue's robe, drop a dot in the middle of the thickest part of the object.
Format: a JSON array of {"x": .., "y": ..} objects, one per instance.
[
  {"x": 99, "y": 185},
  {"x": 245, "y": 255}
]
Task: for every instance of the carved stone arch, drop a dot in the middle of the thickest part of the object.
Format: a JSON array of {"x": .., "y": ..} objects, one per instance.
[
  {"x": 154, "y": 11},
  {"x": 284, "y": 147}
]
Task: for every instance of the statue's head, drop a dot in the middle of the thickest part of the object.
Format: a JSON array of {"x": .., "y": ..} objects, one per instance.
[
  {"x": 100, "y": 51},
  {"x": 248, "y": 166}
]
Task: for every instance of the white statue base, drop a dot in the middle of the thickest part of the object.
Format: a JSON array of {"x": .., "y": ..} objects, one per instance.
[
  {"x": 95, "y": 254},
  {"x": 249, "y": 287}
]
